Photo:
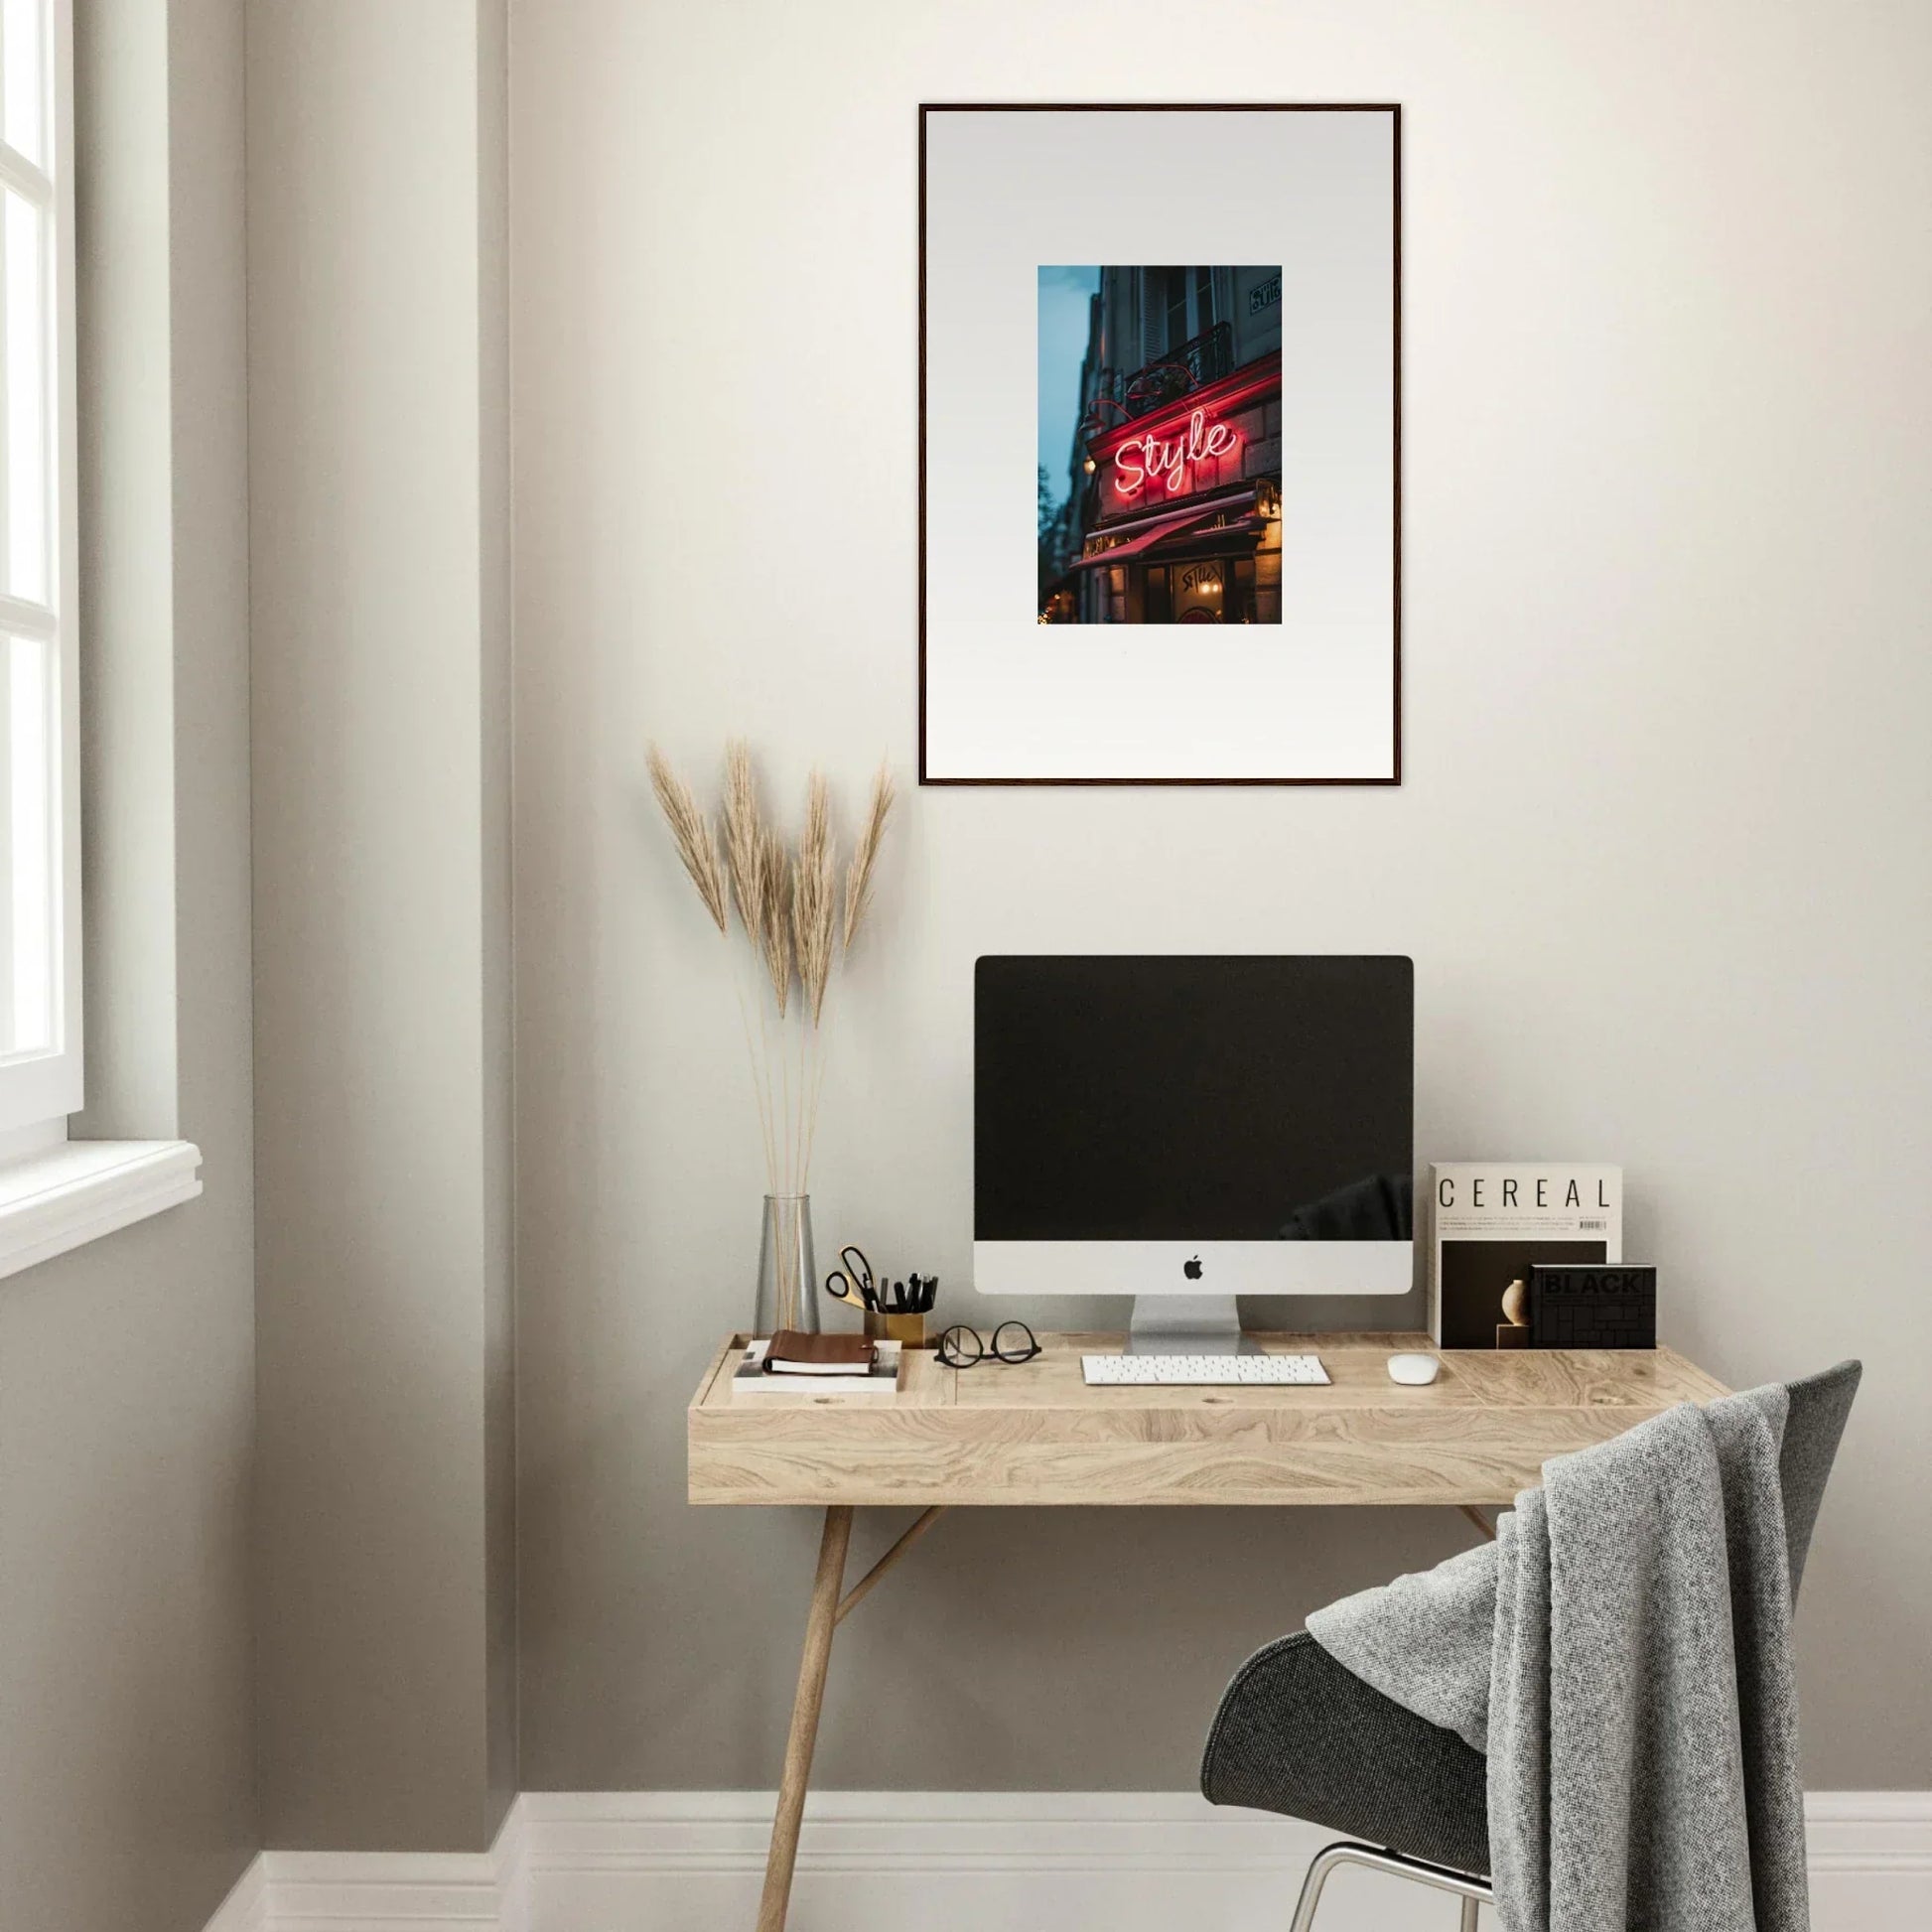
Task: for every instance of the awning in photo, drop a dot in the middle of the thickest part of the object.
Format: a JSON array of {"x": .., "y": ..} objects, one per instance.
[{"x": 1167, "y": 527}]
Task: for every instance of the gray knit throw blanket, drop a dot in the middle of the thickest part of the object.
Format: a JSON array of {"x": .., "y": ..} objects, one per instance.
[{"x": 1622, "y": 1652}]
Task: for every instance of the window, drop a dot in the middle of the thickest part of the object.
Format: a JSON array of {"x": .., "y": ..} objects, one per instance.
[
  {"x": 1241, "y": 606},
  {"x": 1177, "y": 305},
  {"x": 1183, "y": 304},
  {"x": 54, "y": 1193},
  {"x": 1203, "y": 300},
  {"x": 39, "y": 910}
]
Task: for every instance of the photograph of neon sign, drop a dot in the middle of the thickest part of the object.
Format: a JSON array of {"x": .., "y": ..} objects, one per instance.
[
  {"x": 1160, "y": 391},
  {"x": 1136, "y": 462},
  {"x": 1215, "y": 444}
]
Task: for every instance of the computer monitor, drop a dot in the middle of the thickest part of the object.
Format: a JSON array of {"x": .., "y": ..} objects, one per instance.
[{"x": 1184, "y": 1128}]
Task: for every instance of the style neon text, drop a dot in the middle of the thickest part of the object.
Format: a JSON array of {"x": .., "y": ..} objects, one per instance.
[{"x": 1150, "y": 458}]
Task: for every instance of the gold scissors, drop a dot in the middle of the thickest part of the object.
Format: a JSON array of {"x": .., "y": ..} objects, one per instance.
[{"x": 852, "y": 1281}]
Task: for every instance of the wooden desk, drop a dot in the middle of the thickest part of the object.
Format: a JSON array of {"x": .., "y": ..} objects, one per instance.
[{"x": 1033, "y": 1433}]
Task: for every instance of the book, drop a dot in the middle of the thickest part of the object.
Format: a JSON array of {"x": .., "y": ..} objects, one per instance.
[
  {"x": 1489, "y": 1220},
  {"x": 1592, "y": 1305},
  {"x": 752, "y": 1382},
  {"x": 794, "y": 1353}
]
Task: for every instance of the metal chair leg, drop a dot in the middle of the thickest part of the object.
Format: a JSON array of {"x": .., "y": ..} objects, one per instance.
[
  {"x": 1472, "y": 1891},
  {"x": 1324, "y": 1862}
]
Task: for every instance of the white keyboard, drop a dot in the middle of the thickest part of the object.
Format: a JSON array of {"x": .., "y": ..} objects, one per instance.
[{"x": 1204, "y": 1371}]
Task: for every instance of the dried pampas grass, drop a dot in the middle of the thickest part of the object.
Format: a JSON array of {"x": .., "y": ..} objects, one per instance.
[
  {"x": 744, "y": 836},
  {"x": 697, "y": 844},
  {"x": 814, "y": 898},
  {"x": 773, "y": 936},
  {"x": 858, "y": 875},
  {"x": 789, "y": 905}
]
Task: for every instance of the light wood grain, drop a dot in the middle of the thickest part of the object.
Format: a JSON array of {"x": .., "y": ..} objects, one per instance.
[
  {"x": 867, "y": 1583},
  {"x": 820, "y": 1620},
  {"x": 1033, "y": 1433}
]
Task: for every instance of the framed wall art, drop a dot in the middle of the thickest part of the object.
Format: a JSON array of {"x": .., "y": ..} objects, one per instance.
[{"x": 1186, "y": 322}]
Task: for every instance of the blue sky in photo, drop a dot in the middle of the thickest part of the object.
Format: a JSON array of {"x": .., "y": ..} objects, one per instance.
[{"x": 1064, "y": 299}]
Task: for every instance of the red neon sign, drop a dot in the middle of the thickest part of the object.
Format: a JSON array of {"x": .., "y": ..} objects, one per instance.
[{"x": 1164, "y": 462}]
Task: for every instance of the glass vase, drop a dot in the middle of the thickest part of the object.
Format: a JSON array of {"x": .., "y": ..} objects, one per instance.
[{"x": 787, "y": 1295}]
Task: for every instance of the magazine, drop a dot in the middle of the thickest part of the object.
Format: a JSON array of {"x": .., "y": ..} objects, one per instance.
[{"x": 1491, "y": 1219}]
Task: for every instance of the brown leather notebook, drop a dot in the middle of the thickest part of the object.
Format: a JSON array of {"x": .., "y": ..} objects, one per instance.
[{"x": 794, "y": 1353}]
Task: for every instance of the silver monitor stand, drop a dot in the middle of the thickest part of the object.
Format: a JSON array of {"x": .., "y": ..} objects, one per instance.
[{"x": 1187, "y": 1324}]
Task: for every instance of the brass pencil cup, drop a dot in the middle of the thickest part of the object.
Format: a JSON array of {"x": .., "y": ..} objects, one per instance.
[{"x": 909, "y": 1329}]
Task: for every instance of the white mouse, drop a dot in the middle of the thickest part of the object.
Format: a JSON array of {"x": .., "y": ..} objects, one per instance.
[{"x": 1414, "y": 1370}]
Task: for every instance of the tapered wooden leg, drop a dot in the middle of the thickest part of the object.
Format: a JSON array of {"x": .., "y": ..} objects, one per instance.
[
  {"x": 860, "y": 1590},
  {"x": 820, "y": 1621},
  {"x": 1479, "y": 1519}
]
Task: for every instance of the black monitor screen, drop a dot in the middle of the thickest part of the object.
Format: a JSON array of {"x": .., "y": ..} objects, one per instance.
[{"x": 1192, "y": 1099}]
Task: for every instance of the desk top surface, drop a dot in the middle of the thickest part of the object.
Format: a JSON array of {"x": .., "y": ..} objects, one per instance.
[{"x": 1033, "y": 1433}]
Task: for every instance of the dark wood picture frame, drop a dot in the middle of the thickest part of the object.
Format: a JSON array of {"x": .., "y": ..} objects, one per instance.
[{"x": 1394, "y": 110}]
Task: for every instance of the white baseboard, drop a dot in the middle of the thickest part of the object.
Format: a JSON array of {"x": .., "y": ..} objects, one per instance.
[
  {"x": 385, "y": 1892},
  {"x": 955, "y": 1861},
  {"x": 1869, "y": 1854},
  {"x": 245, "y": 1909}
]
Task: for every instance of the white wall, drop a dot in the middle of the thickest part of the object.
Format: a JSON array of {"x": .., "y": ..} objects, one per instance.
[
  {"x": 378, "y": 582},
  {"x": 1660, "y": 855}
]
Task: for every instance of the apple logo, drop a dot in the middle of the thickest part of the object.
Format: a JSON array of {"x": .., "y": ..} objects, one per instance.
[{"x": 1192, "y": 1269}]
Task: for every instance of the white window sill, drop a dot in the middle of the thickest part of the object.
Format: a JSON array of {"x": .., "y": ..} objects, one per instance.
[{"x": 78, "y": 1191}]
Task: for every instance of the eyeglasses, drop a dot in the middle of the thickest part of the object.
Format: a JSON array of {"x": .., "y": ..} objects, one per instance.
[{"x": 1013, "y": 1342}]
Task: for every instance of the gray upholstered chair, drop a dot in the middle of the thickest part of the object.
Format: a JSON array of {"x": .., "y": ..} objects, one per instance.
[{"x": 1298, "y": 1734}]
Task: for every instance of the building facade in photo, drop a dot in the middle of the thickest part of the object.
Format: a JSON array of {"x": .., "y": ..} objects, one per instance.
[{"x": 1174, "y": 512}]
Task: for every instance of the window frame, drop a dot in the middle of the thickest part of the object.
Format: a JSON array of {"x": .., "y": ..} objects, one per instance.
[
  {"x": 40, "y": 1090},
  {"x": 1205, "y": 304},
  {"x": 1174, "y": 309}
]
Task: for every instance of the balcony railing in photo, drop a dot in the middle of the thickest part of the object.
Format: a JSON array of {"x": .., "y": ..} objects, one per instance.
[{"x": 1204, "y": 359}]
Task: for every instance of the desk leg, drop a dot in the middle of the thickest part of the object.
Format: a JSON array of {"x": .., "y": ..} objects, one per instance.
[{"x": 819, "y": 1623}]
